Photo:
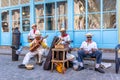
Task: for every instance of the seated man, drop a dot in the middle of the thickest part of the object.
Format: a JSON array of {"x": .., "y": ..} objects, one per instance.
[
  {"x": 65, "y": 39},
  {"x": 89, "y": 47},
  {"x": 31, "y": 36},
  {"x": 38, "y": 50},
  {"x": 32, "y": 32}
]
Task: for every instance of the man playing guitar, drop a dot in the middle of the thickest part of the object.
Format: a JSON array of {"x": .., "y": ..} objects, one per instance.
[
  {"x": 31, "y": 36},
  {"x": 39, "y": 50}
]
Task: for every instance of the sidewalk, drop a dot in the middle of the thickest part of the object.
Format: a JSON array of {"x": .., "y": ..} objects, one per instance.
[
  {"x": 9, "y": 69},
  {"x": 108, "y": 55}
]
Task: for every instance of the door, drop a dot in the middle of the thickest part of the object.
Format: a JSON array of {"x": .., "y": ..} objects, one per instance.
[
  {"x": 9, "y": 20},
  {"x": 5, "y": 29}
]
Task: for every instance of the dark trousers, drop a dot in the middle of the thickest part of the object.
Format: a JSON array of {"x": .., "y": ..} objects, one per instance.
[{"x": 97, "y": 54}]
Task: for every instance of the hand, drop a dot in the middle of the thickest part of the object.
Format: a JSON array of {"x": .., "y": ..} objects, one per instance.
[
  {"x": 93, "y": 49},
  {"x": 86, "y": 52}
]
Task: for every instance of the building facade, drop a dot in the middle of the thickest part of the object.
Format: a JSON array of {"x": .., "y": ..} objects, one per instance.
[{"x": 101, "y": 17}]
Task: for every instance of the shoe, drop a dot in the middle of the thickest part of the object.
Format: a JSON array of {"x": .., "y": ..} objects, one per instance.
[
  {"x": 80, "y": 68},
  {"x": 40, "y": 64},
  {"x": 99, "y": 70},
  {"x": 21, "y": 66}
]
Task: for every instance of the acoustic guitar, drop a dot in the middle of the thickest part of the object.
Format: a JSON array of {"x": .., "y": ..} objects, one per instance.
[{"x": 36, "y": 45}]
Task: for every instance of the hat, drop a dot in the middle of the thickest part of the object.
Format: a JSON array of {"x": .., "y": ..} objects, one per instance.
[
  {"x": 29, "y": 66},
  {"x": 62, "y": 29},
  {"x": 88, "y": 34},
  {"x": 33, "y": 25},
  {"x": 37, "y": 34}
]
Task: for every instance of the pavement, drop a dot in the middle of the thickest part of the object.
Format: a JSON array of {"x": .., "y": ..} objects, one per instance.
[
  {"x": 107, "y": 56},
  {"x": 9, "y": 69}
]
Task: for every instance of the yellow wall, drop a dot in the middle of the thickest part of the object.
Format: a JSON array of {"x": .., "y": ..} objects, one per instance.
[{"x": 119, "y": 20}]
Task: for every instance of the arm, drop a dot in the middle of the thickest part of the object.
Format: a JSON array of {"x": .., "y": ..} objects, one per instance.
[
  {"x": 32, "y": 43},
  {"x": 94, "y": 47},
  {"x": 84, "y": 47},
  {"x": 44, "y": 44}
]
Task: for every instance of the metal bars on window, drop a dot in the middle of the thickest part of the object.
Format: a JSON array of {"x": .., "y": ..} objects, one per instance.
[{"x": 93, "y": 10}]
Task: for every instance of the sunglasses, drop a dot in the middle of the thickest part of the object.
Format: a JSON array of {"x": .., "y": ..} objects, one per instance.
[{"x": 89, "y": 37}]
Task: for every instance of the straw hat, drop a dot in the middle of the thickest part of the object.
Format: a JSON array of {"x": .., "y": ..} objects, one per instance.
[
  {"x": 62, "y": 29},
  {"x": 37, "y": 34},
  {"x": 34, "y": 25},
  {"x": 88, "y": 34},
  {"x": 29, "y": 66}
]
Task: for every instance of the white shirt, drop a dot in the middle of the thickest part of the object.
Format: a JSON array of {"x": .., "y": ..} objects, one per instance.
[
  {"x": 88, "y": 47},
  {"x": 31, "y": 34},
  {"x": 65, "y": 38}
]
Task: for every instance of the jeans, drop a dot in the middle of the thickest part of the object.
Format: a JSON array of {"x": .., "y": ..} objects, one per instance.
[{"x": 97, "y": 54}]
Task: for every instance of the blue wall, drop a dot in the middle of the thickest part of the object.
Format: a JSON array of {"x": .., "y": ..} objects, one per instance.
[{"x": 104, "y": 38}]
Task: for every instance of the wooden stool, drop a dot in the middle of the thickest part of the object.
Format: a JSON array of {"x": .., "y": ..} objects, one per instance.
[
  {"x": 90, "y": 59},
  {"x": 57, "y": 60}
]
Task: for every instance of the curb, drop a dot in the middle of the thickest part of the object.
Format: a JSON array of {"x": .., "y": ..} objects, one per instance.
[{"x": 103, "y": 60}]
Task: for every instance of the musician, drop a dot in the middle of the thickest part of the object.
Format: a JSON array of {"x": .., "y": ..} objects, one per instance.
[
  {"x": 89, "y": 48},
  {"x": 64, "y": 37},
  {"x": 66, "y": 41},
  {"x": 39, "y": 51},
  {"x": 31, "y": 34}
]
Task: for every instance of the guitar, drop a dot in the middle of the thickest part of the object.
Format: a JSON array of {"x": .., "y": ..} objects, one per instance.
[{"x": 36, "y": 45}]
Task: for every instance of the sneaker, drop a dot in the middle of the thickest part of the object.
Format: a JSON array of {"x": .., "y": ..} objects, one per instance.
[
  {"x": 80, "y": 68},
  {"x": 21, "y": 66},
  {"x": 99, "y": 70}
]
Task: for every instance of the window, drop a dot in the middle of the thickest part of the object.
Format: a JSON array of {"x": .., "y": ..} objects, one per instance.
[
  {"x": 24, "y": 1},
  {"x": 93, "y": 21},
  {"x": 26, "y": 18},
  {"x": 109, "y": 20},
  {"x": 79, "y": 12},
  {"x": 62, "y": 15},
  {"x": 14, "y": 2},
  {"x": 4, "y": 3},
  {"x": 79, "y": 6},
  {"x": 94, "y": 5},
  {"x": 95, "y": 14},
  {"x": 109, "y": 5},
  {"x": 50, "y": 16},
  {"x": 39, "y": 9},
  {"x": 109, "y": 15},
  {"x": 16, "y": 18},
  {"x": 38, "y": 0},
  {"x": 79, "y": 22},
  {"x": 5, "y": 21}
]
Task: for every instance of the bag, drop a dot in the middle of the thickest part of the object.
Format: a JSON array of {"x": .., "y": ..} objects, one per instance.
[{"x": 59, "y": 68}]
